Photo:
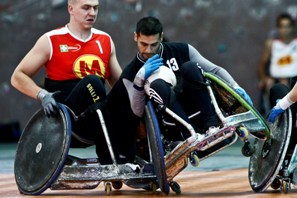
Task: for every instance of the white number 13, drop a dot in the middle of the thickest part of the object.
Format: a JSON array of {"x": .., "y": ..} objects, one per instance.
[{"x": 172, "y": 63}]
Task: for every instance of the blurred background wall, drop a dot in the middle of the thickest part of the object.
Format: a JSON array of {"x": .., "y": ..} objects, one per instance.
[{"x": 229, "y": 33}]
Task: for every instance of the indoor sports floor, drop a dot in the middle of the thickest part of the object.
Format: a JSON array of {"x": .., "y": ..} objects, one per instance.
[{"x": 222, "y": 175}]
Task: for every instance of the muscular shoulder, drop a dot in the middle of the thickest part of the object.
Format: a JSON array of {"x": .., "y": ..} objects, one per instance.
[{"x": 58, "y": 31}]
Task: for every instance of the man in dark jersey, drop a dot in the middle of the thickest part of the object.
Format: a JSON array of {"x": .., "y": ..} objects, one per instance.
[{"x": 127, "y": 99}]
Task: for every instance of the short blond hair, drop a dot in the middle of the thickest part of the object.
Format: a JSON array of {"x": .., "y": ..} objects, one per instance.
[{"x": 71, "y": 1}]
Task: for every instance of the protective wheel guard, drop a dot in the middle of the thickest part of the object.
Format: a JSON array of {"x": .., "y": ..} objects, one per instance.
[
  {"x": 232, "y": 103},
  {"x": 266, "y": 162},
  {"x": 41, "y": 151}
]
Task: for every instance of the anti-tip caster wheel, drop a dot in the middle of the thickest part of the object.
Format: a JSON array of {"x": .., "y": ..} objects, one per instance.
[
  {"x": 151, "y": 187},
  {"x": 107, "y": 188},
  {"x": 247, "y": 150},
  {"x": 175, "y": 187},
  {"x": 117, "y": 185},
  {"x": 285, "y": 187},
  {"x": 154, "y": 188},
  {"x": 194, "y": 159},
  {"x": 276, "y": 184}
]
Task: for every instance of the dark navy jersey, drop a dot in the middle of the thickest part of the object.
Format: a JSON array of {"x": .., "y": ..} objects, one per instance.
[
  {"x": 124, "y": 97},
  {"x": 173, "y": 54}
]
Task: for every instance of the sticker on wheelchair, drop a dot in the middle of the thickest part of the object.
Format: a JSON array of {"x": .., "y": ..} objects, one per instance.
[
  {"x": 42, "y": 151},
  {"x": 236, "y": 108}
]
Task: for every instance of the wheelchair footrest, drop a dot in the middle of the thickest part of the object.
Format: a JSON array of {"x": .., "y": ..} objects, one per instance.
[
  {"x": 214, "y": 139},
  {"x": 80, "y": 174},
  {"x": 177, "y": 160}
]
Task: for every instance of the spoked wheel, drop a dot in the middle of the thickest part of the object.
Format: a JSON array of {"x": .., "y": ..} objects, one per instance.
[
  {"x": 156, "y": 147},
  {"x": 42, "y": 151}
]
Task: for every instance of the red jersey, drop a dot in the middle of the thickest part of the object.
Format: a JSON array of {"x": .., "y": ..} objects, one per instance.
[{"x": 72, "y": 58}]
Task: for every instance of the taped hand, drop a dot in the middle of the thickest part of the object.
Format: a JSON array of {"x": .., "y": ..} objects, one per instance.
[
  {"x": 242, "y": 92},
  {"x": 48, "y": 102},
  {"x": 151, "y": 65}
]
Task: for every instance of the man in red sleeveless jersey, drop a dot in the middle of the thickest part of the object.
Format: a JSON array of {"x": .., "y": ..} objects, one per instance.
[{"x": 78, "y": 59}]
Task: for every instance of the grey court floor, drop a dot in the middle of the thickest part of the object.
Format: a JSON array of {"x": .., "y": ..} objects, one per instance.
[{"x": 229, "y": 158}]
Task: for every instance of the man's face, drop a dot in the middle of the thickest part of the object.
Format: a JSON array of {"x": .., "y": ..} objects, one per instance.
[
  {"x": 285, "y": 28},
  {"x": 148, "y": 45},
  {"x": 84, "y": 12}
]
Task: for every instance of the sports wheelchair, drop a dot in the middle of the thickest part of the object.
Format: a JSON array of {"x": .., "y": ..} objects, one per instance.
[
  {"x": 42, "y": 160},
  {"x": 274, "y": 163}
]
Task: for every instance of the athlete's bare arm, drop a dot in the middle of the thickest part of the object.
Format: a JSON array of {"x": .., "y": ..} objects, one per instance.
[
  {"x": 22, "y": 76},
  {"x": 293, "y": 93},
  {"x": 115, "y": 68}
]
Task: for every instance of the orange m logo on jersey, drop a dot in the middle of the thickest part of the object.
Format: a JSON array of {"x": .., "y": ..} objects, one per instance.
[
  {"x": 89, "y": 64},
  {"x": 285, "y": 61}
]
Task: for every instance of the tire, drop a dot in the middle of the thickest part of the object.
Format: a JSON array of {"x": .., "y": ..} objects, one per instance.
[
  {"x": 156, "y": 147},
  {"x": 42, "y": 151}
]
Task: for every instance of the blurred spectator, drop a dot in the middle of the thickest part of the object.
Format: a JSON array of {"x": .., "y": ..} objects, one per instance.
[{"x": 279, "y": 59}]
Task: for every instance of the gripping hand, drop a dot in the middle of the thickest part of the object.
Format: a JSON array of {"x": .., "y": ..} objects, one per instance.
[
  {"x": 275, "y": 112},
  {"x": 48, "y": 102},
  {"x": 151, "y": 65},
  {"x": 243, "y": 93}
]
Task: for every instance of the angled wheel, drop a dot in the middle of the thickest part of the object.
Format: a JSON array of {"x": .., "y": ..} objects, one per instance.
[
  {"x": 156, "y": 147},
  {"x": 269, "y": 155},
  {"x": 42, "y": 151}
]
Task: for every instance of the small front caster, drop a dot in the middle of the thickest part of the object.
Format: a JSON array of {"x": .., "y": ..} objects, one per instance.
[
  {"x": 242, "y": 133},
  {"x": 117, "y": 185},
  {"x": 175, "y": 187},
  {"x": 154, "y": 188},
  {"x": 194, "y": 159},
  {"x": 151, "y": 187},
  {"x": 107, "y": 188},
  {"x": 247, "y": 150},
  {"x": 276, "y": 184},
  {"x": 285, "y": 187}
]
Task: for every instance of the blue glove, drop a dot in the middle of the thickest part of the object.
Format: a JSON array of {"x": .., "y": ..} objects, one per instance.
[
  {"x": 151, "y": 65},
  {"x": 242, "y": 92},
  {"x": 48, "y": 102},
  {"x": 275, "y": 112}
]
